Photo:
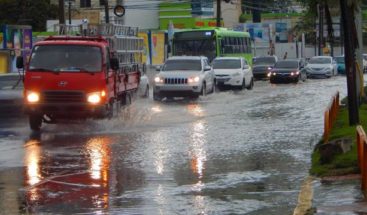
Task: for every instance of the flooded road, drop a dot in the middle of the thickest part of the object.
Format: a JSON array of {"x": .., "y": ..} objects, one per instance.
[{"x": 227, "y": 153}]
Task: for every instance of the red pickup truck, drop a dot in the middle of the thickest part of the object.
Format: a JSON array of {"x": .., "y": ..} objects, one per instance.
[{"x": 79, "y": 77}]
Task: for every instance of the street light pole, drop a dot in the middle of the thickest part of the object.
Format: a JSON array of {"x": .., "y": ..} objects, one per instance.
[
  {"x": 218, "y": 12},
  {"x": 106, "y": 10},
  {"x": 61, "y": 12},
  {"x": 69, "y": 8}
]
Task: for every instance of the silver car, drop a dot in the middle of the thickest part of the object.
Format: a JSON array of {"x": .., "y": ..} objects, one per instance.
[
  {"x": 321, "y": 66},
  {"x": 184, "y": 76}
]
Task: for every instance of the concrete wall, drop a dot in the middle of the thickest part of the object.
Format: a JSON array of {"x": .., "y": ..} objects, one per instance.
[
  {"x": 230, "y": 12},
  {"x": 291, "y": 49}
]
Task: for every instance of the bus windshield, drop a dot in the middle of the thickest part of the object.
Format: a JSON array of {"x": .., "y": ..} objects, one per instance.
[
  {"x": 66, "y": 58},
  {"x": 203, "y": 47}
]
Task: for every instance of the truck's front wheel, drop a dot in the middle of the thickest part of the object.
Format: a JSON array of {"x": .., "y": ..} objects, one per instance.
[{"x": 35, "y": 122}]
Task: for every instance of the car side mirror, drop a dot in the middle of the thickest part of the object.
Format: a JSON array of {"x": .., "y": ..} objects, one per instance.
[
  {"x": 207, "y": 68},
  {"x": 158, "y": 68},
  {"x": 115, "y": 65},
  {"x": 246, "y": 67},
  {"x": 20, "y": 63}
]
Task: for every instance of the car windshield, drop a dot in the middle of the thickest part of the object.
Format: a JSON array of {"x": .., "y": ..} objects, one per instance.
[
  {"x": 264, "y": 60},
  {"x": 320, "y": 60},
  {"x": 286, "y": 64},
  {"x": 227, "y": 64},
  {"x": 191, "y": 65},
  {"x": 339, "y": 59},
  {"x": 66, "y": 58}
]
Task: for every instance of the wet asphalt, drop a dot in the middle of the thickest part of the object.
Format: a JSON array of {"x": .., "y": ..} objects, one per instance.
[{"x": 231, "y": 152}]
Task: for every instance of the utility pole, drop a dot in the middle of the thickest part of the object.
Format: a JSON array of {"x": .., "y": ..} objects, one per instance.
[
  {"x": 106, "y": 10},
  {"x": 61, "y": 12},
  {"x": 69, "y": 8},
  {"x": 218, "y": 12},
  {"x": 321, "y": 27},
  {"x": 350, "y": 67}
]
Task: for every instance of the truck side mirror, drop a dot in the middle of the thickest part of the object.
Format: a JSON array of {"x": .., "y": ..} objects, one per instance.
[
  {"x": 115, "y": 65},
  {"x": 20, "y": 63}
]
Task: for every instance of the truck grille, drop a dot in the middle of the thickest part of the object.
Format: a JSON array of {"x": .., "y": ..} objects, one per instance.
[
  {"x": 63, "y": 96},
  {"x": 175, "y": 80}
]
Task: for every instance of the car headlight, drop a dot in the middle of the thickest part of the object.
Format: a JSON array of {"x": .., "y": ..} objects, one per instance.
[
  {"x": 194, "y": 79},
  {"x": 32, "y": 97},
  {"x": 95, "y": 97},
  {"x": 269, "y": 74},
  {"x": 158, "y": 79},
  {"x": 236, "y": 74}
]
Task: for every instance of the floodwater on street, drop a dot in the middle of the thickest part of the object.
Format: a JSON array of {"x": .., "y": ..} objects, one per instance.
[{"x": 230, "y": 152}]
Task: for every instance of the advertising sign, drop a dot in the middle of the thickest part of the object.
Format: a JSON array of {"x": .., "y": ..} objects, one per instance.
[
  {"x": 17, "y": 39},
  {"x": 157, "y": 47},
  {"x": 146, "y": 57}
]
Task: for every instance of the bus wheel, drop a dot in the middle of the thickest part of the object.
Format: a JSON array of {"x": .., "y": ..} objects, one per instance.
[{"x": 35, "y": 122}]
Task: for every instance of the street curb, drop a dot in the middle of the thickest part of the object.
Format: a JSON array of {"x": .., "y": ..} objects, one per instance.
[{"x": 305, "y": 197}]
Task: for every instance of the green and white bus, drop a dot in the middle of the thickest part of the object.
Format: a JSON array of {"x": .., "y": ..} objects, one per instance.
[{"x": 212, "y": 42}]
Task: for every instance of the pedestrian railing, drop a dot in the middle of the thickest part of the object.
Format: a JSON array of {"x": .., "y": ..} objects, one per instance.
[
  {"x": 362, "y": 155},
  {"x": 330, "y": 116}
]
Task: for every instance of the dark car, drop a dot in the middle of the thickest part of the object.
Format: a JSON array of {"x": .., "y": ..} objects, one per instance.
[
  {"x": 288, "y": 70},
  {"x": 262, "y": 66}
]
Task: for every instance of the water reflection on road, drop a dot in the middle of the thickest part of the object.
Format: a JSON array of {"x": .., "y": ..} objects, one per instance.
[{"x": 228, "y": 153}]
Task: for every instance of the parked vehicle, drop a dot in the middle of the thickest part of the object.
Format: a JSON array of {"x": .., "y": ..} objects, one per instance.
[
  {"x": 341, "y": 64},
  {"x": 321, "y": 66},
  {"x": 184, "y": 76},
  {"x": 233, "y": 71},
  {"x": 288, "y": 70},
  {"x": 79, "y": 77},
  {"x": 261, "y": 66}
]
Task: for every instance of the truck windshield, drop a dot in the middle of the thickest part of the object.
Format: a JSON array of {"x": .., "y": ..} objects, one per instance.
[{"x": 66, "y": 58}]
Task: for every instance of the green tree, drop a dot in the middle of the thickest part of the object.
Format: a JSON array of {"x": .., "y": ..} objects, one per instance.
[{"x": 27, "y": 12}]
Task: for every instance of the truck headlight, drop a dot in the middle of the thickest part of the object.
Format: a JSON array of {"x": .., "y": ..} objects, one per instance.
[
  {"x": 96, "y": 97},
  {"x": 33, "y": 97},
  {"x": 194, "y": 79}
]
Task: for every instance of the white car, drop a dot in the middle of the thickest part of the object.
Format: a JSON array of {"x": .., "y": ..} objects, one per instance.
[
  {"x": 234, "y": 72},
  {"x": 184, "y": 76},
  {"x": 321, "y": 66}
]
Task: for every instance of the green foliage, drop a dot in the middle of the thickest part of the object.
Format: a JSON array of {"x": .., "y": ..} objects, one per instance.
[
  {"x": 243, "y": 18},
  {"x": 27, "y": 12}
]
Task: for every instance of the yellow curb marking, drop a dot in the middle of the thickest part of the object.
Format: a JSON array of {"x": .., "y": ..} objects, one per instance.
[{"x": 305, "y": 197}]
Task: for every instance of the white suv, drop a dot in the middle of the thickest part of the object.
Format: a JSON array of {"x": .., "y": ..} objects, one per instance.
[
  {"x": 184, "y": 76},
  {"x": 234, "y": 72}
]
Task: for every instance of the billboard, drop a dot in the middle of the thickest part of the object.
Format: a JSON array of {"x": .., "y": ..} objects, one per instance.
[
  {"x": 17, "y": 39},
  {"x": 157, "y": 47},
  {"x": 146, "y": 57}
]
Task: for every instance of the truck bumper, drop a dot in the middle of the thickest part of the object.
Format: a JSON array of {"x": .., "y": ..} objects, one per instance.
[{"x": 68, "y": 111}]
